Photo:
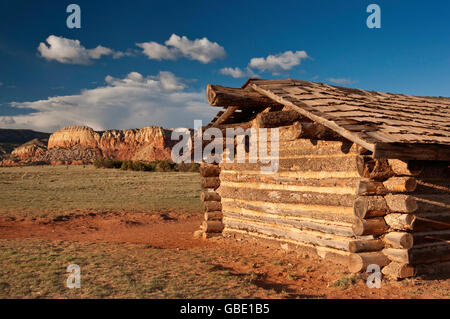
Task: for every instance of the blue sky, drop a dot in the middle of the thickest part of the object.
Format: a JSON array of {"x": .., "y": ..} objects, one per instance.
[{"x": 328, "y": 42}]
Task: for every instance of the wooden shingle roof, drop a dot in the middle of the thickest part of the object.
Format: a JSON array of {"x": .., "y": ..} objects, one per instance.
[{"x": 384, "y": 123}]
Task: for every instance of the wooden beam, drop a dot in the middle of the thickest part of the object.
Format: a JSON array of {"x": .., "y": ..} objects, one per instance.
[
  {"x": 225, "y": 115},
  {"x": 218, "y": 95},
  {"x": 412, "y": 151},
  {"x": 404, "y": 151},
  {"x": 276, "y": 119},
  {"x": 360, "y": 262},
  {"x": 330, "y": 124}
]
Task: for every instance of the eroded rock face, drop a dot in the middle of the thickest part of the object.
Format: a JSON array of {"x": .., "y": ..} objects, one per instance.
[
  {"x": 144, "y": 144},
  {"x": 81, "y": 144},
  {"x": 33, "y": 148},
  {"x": 74, "y": 135}
]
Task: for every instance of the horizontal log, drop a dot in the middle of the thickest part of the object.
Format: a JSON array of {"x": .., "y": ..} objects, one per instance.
[
  {"x": 210, "y": 197},
  {"x": 246, "y": 215},
  {"x": 212, "y": 206},
  {"x": 289, "y": 132},
  {"x": 284, "y": 194},
  {"x": 429, "y": 254},
  {"x": 429, "y": 237},
  {"x": 367, "y": 245},
  {"x": 408, "y": 168},
  {"x": 412, "y": 151},
  {"x": 321, "y": 212},
  {"x": 211, "y": 235},
  {"x": 276, "y": 119},
  {"x": 218, "y": 95},
  {"x": 210, "y": 182},
  {"x": 209, "y": 170},
  {"x": 291, "y": 178},
  {"x": 392, "y": 185},
  {"x": 303, "y": 236},
  {"x": 212, "y": 226},
  {"x": 327, "y": 253},
  {"x": 432, "y": 203},
  {"x": 401, "y": 240},
  {"x": 400, "y": 221},
  {"x": 370, "y": 206},
  {"x": 360, "y": 262},
  {"x": 368, "y": 187},
  {"x": 378, "y": 170},
  {"x": 432, "y": 186},
  {"x": 395, "y": 270},
  {"x": 431, "y": 221},
  {"x": 401, "y": 203},
  {"x": 397, "y": 255},
  {"x": 400, "y": 184},
  {"x": 372, "y": 226},
  {"x": 436, "y": 270},
  {"x": 299, "y": 163},
  {"x": 423, "y": 255},
  {"x": 213, "y": 216},
  {"x": 309, "y": 147}
]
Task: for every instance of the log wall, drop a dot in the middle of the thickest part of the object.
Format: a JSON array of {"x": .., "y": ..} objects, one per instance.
[
  {"x": 330, "y": 195},
  {"x": 308, "y": 201},
  {"x": 212, "y": 224},
  {"x": 407, "y": 207}
]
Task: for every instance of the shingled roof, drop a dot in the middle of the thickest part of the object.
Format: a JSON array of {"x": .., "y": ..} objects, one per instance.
[{"x": 389, "y": 125}]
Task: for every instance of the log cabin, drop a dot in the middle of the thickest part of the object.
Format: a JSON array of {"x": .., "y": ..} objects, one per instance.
[{"x": 363, "y": 179}]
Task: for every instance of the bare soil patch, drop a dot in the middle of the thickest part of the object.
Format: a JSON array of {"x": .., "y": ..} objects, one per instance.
[{"x": 160, "y": 230}]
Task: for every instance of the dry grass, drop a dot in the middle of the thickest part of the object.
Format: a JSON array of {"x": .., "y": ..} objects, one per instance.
[
  {"x": 45, "y": 191},
  {"x": 37, "y": 269}
]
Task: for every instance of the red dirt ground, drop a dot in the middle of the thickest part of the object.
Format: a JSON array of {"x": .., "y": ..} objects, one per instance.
[{"x": 311, "y": 275}]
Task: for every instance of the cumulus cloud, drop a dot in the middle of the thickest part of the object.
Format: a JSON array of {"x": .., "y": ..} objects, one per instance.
[
  {"x": 156, "y": 51},
  {"x": 129, "y": 102},
  {"x": 234, "y": 72},
  {"x": 279, "y": 62},
  {"x": 70, "y": 51},
  {"x": 201, "y": 50},
  {"x": 275, "y": 64},
  {"x": 340, "y": 81}
]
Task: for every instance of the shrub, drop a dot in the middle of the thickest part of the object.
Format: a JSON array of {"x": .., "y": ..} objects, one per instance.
[
  {"x": 187, "y": 167},
  {"x": 126, "y": 165},
  {"x": 107, "y": 163},
  {"x": 163, "y": 166}
]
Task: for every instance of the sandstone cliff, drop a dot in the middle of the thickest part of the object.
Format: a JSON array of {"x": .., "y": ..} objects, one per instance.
[
  {"x": 81, "y": 144},
  {"x": 144, "y": 144},
  {"x": 34, "y": 148}
]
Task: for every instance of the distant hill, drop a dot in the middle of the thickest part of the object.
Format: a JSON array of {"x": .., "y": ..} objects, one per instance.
[
  {"x": 10, "y": 139},
  {"x": 20, "y": 136},
  {"x": 81, "y": 144}
]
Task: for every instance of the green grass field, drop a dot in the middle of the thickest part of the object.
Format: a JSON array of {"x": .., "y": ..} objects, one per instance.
[{"x": 46, "y": 191}]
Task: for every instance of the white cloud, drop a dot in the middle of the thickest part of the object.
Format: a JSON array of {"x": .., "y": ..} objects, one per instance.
[
  {"x": 275, "y": 64},
  {"x": 156, "y": 51},
  {"x": 234, "y": 72},
  {"x": 340, "y": 81},
  {"x": 279, "y": 62},
  {"x": 201, "y": 50},
  {"x": 129, "y": 102},
  {"x": 71, "y": 51}
]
